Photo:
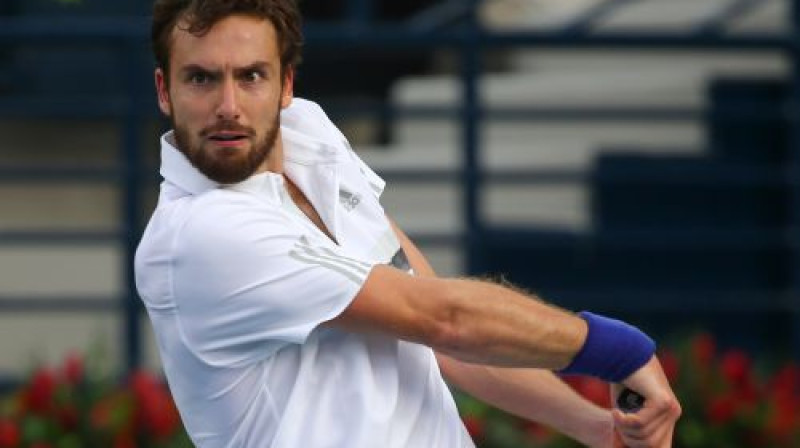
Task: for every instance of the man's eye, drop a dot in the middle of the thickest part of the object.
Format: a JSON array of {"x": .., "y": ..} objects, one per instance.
[
  {"x": 253, "y": 76},
  {"x": 199, "y": 78}
]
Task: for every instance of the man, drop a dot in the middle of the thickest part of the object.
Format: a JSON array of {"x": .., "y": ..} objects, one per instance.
[{"x": 290, "y": 311}]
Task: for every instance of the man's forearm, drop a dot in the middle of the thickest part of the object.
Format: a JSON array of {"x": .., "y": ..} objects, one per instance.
[
  {"x": 517, "y": 309},
  {"x": 533, "y": 394},
  {"x": 491, "y": 324}
]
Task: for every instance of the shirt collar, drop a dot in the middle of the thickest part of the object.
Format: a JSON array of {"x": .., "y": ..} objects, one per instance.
[
  {"x": 309, "y": 137},
  {"x": 176, "y": 168}
]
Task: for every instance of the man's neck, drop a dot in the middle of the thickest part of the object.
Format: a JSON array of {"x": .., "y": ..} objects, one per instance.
[
  {"x": 274, "y": 161},
  {"x": 306, "y": 207}
]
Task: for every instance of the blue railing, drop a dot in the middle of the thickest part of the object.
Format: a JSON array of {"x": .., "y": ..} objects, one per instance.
[{"x": 454, "y": 25}]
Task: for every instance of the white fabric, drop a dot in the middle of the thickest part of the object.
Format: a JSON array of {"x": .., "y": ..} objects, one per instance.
[{"x": 236, "y": 281}]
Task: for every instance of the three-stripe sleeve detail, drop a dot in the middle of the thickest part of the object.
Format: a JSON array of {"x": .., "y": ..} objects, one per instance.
[{"x": 355, "y": 270}]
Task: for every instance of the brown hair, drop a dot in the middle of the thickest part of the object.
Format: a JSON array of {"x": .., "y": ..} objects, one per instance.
[{"x": 201, "y": 15}]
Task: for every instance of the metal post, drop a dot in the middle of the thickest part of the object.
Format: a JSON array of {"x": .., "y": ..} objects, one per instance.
[
  {"x": 131, "y": 205},
  {"x": 470, "y": 120},
  {"x": 793, "y": 171}
]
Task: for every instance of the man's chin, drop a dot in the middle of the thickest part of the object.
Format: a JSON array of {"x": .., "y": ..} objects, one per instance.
[
  {"x": 227, "y": 175},
  {"x": 225, "y": 168},
  {"x": 214, "y": 150},
  {"x": 232, "y": 148}
]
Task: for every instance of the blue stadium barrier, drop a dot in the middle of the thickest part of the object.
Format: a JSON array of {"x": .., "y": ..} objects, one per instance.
[{"x": 453, "y": 25}]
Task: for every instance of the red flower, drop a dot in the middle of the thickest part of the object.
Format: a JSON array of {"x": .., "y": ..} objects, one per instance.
[
  {"x": 784, "y": 420},
  {"x": 736, "y": 367},
  {"x": 538, "y": 433},
  {"x": 142, "y": 383},
  {"x": 72, "y": 369},
  {"x": 39, "y": 395},
  {"x": 592, "y": 389},
  {"x": 112, "y": 413},
  {"x": 670, "y": 365},
  {"x": 748, "y": 393},
  {"x": 100, "y": 415},
  {"x": 721, "y": 410},
  {"x": 156, "y": 411},
  {"x": 703, "y": 349},
  {"x": 596, "y": 391},
  {"x": 786, "y": 383},
  {"x": 9, "y": 433},
  {"x": 475, "y": 427},
  {"x": 124, "y": 441},
  {"x": 68, "y": 416},
  {"x": 160, "y": 416}
]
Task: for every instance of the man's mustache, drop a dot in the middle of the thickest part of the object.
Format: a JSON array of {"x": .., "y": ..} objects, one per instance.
[{"x": 227, "y": 126}]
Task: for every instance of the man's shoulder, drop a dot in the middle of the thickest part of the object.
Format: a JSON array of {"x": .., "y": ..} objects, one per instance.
[
  {"x": 212, "y": 203},
  {"x": 223, "y": 209},
  {"x": 303, "y": 106},
  {"x": 225, "y": 198},
  {"x": 221, "y": 213}
]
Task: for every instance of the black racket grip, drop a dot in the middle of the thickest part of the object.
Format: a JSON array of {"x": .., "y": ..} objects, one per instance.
[{"x": 630, "y": 401}]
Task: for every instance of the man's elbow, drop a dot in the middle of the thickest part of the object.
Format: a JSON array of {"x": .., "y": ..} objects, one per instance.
[{"x": 448, "y": 330}]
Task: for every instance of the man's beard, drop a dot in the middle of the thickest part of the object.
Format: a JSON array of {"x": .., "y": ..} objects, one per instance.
[{"x": 226, "y": 169}]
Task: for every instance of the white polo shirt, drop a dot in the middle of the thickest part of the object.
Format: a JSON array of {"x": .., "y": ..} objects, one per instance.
[{"x": 236, "y": 281}]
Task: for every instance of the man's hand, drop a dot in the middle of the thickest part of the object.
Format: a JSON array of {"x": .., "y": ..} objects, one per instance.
[{"x": 652, "y": 426}]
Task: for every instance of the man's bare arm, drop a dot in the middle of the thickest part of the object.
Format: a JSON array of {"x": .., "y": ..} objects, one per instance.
[
  {"x": 539, "y": 395},
  {"x": 534, "y": 394},
  {"x": 469, "y": 320}
]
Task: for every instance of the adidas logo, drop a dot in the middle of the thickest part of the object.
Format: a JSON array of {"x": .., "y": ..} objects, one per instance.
[{"x": 349, "y": 200}]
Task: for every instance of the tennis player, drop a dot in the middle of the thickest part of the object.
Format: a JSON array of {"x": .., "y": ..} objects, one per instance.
[{"x": 291, "y": 312}]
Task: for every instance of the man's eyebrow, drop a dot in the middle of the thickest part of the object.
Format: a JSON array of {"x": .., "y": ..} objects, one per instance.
[
  {"x": 258, "y": 65},
  {"x": 195, "y": 68}
]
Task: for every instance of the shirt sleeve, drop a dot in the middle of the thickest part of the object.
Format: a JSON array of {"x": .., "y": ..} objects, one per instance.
[{"x": 247, "y": 282}]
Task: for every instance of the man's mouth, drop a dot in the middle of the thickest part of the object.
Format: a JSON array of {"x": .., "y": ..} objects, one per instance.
[{"x": 227, "y": 137}]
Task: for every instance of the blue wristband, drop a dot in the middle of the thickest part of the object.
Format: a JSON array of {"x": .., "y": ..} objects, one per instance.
[{"x": 613, "y": 350}]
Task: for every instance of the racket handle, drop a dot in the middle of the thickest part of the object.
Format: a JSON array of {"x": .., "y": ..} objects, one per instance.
[{"x": 630, "y": 401}]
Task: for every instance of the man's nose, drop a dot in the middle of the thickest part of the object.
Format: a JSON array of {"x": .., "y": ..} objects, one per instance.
[{"x": 228, "y": 107}]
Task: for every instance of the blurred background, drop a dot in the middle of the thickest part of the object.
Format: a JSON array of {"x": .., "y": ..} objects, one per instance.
[{"x": 634, "y": 157}]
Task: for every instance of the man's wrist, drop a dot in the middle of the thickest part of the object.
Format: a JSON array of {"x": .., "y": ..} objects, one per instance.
[
  {"x": 612, "y": 351},
  {"x": 595, "y": 429}
]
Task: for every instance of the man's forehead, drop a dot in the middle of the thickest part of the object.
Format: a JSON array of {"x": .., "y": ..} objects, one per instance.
[
  {"x": 242, "y": 40},
  {"x": 232, "y": 29}
]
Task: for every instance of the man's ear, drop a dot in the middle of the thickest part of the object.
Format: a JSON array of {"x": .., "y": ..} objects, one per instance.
[
  {"x": 162, "y": 92},
  {"x": 287, "y": 91}
]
